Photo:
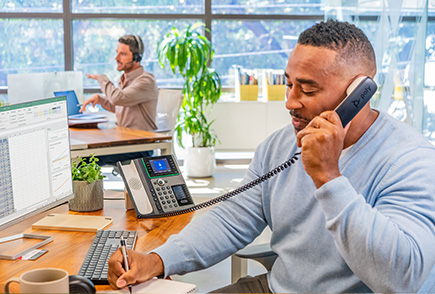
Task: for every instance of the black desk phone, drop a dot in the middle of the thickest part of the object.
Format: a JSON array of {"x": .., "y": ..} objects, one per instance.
[{"x": 157, "y": 188}]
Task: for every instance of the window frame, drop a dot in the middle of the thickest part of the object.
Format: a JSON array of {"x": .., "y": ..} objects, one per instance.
[
  {"x": 67, "y": 16},
  {"x": 207, "y": 17}
]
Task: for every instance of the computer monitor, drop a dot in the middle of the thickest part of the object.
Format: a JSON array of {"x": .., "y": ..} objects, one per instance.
[{"x": 35, "y": 160}]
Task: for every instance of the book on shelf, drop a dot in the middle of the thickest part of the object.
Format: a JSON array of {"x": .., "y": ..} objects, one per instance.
[
  {"x": 273, "y": 85},
  {"x": 246, "y": 84},
  {"x": 246, "y": 76}
]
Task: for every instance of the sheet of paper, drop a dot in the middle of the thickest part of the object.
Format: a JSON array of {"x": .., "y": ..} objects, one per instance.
[{"x": 161, "y": 286}]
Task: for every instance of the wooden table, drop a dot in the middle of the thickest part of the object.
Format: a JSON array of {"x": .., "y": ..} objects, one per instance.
[
  {"x": 68, "y": 249},
  {"x": 105, "y": 141}
]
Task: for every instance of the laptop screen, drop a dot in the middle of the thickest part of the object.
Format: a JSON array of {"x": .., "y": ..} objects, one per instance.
[{"x": 72, "y": 101}]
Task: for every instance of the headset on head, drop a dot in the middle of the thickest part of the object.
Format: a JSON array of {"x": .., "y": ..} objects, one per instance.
[{"x": 137, "y": 56}]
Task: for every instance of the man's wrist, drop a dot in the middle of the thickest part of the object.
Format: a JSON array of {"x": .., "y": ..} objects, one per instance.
[
  {"x": 320, "y": 181},
  {"x": 159, "y": 269}
]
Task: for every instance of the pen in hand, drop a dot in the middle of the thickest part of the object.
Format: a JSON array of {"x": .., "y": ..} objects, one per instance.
[{"x": 124, "y": 254}]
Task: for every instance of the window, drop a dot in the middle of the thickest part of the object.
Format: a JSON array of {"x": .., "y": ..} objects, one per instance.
[
  {"x": 57, "y": 35},
  {"x": 30, "y": 45},
  {"x": 283, "y": 7},
  {"x": 32, "y": 6},
  {"x": 253, "y": 44},
  {"x": 138, "y": 6},
  {"x": 95, "y": 43}
]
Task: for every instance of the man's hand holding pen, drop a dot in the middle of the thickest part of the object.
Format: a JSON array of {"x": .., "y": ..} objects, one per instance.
[
  {"x": 125, "y": 256},
  {"x": 143, "y": 267}
]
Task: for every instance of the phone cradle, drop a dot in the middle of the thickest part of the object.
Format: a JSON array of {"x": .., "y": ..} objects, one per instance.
[{"x": 155, "y": 186}]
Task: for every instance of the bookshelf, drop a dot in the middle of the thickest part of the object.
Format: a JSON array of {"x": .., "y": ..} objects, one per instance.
[
  {"x": 246, "y": 85},
  {"x": 273, "y": 85}
]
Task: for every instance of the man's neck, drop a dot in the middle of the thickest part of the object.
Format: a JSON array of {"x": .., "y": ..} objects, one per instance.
[{"x": 359, "y": 126}]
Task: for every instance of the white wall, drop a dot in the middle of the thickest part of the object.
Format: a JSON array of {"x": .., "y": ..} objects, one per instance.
[{"x": 241, "y": 126}]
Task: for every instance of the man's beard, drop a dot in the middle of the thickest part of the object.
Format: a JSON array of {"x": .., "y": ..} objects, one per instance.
[
  {"x": 125, "y": 66},
  {"x": 294, "y": 113}
]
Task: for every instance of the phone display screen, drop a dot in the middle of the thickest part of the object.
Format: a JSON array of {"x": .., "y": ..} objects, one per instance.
[
  {"x": 180, "y": 194},
  {"x": 160, "y": 166}
]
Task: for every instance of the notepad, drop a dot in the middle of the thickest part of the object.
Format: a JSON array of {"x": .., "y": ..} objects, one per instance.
[
  {"x": 161, "y": 286},
  {"x": 164, "y": 286},
  {"x": 73, "y": 222}
]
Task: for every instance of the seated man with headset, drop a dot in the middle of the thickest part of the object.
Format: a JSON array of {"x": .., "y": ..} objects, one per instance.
[{"x": 134, "y": 100}]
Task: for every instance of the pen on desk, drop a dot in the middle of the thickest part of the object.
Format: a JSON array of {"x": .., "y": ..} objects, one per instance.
[{"x": 124, "y": 254}]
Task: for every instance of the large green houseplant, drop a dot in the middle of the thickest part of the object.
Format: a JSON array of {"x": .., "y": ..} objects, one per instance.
[{"x": 189, "y": 54}]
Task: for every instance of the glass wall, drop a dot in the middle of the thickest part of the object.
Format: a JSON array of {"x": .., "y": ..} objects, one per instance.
[
  {"x": 397, "y": 30},
  {"x": 429, "y": 81}
]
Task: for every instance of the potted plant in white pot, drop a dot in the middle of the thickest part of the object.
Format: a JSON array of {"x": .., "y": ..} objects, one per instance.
[
  {"x": 189, "y": 54},
  {"x": 87, "y": 185}
]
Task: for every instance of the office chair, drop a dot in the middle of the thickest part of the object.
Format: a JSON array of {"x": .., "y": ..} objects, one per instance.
[
  {"x": 168, "y": 106},
  {"x": 261, "y": 253},
  {"x": 264, "y": 254}
]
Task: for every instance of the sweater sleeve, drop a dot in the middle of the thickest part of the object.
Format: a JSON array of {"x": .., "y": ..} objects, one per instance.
[
  {"x": 216, "y": 234},
  {"x": 139, "y": 91},
  {"x": 389, "y": 245}
]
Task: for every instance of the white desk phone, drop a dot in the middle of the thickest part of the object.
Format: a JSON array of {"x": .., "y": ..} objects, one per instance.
[{"x": 157, "y": 188}]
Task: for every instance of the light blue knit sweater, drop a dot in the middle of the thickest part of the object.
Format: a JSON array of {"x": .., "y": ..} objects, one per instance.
[{"x": 373, "y": 229}]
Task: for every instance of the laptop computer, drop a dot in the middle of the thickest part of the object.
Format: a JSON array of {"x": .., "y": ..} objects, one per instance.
[{"x": 74, "y": 106}]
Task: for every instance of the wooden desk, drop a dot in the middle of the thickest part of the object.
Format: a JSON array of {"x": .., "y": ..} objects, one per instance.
[
  {"x": 68, "y": 249},
  {"x": 105, "y": 141}
]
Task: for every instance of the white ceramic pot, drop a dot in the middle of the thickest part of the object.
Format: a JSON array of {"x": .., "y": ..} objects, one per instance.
[{"x": 199, "y": 162}]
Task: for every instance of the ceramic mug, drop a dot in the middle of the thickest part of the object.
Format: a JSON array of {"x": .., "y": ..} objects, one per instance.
[{"x": 42, "y": 280}]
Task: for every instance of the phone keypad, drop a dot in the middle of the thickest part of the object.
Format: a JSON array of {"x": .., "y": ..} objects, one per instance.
[{"x": 165, "y": 195}]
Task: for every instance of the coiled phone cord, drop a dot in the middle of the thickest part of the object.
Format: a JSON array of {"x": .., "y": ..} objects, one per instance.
[{"x": 232, "y": 193}]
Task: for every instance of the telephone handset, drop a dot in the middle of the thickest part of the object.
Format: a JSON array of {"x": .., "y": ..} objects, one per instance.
[
  {"x": 359, "y": 93},
  {"x": 157, "y": 188}
]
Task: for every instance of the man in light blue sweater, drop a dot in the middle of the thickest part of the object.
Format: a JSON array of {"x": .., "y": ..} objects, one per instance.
[{"x": 356, "y": 213}]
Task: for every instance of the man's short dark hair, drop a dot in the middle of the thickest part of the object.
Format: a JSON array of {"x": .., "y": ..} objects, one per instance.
[
  {"x": 132, "y": 43},
  {"x": 346, "y": 39}
]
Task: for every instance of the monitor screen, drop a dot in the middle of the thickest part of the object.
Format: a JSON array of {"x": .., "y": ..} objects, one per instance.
[{"x": 35, "y": 160}]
